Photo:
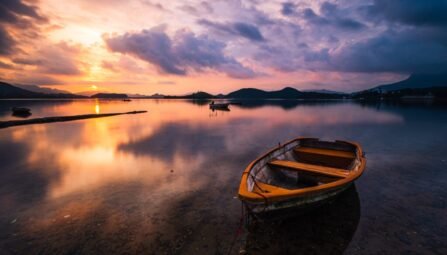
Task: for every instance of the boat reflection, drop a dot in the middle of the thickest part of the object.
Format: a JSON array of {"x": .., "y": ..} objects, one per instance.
[
  {"x": 21, "y": 114},
  {"x": 325, "y": 230}
]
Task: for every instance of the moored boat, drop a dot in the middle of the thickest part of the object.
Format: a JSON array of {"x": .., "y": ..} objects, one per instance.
[
  {"x": 303, "y": 172},
  {"x": 20, "y": 110},
  {"x": 221, "y": 106}
]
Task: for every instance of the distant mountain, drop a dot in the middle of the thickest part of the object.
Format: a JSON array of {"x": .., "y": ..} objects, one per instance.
[
  {"x": 9, "y": 91},
  {"x": 91, "y": 92},
  {"x": 196, "y": 95},
  {"x": 261, "y": 94},
  {"x": 248, "y": 93},
  {"x": 416, "y": 81},
  {"x": 109, "y": 95},
  {"x": 38, "y": 89},
  {"x": 285, "y": 93},
  {"x": 325, "y": 91}
]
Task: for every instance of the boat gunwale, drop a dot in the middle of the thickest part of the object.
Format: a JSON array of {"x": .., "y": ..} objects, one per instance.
[{"x": 255, "y": 197}]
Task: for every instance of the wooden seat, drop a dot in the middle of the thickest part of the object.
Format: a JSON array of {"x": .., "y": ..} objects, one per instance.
[
  {"x": 319, "y": 170},
  {"x": 326, "y": 152}
]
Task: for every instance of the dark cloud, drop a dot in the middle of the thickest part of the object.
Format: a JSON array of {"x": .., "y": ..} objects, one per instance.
[
  {"x": 331, "y": 15},
  {"x": 408, "y": 51},
  {"x": 177, "y": 55},
  {"x": 310, "y": 16},
  {"x": 422, "y": 12},
  {"x": 14, "y": 14},
  {"x": 6, "y": 42},
  {"x": 153, "y": 46},
  {"x": 248, "y": 31},
  {"x": 11, "y": 9},
  {"x": 288, "y": 8},
  {"x": 242, "y": 29},
  {"x": 415, "y": 39}
]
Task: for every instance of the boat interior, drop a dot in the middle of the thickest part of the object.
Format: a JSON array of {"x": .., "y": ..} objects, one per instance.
[{"x": 303, "y": 163}]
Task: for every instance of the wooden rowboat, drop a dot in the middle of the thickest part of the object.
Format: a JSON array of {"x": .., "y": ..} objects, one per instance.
[{"x": 300, "y": 173}]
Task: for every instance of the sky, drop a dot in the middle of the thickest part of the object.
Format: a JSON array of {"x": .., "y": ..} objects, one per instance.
[{"x": 177, "y": 47}]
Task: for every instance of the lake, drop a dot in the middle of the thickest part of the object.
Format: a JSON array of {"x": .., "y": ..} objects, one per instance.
[{"x": 164, "y": 182}]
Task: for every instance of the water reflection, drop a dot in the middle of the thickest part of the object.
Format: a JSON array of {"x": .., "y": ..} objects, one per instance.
[
  {"x": 326, "y": 230},
  {"x": 97, "y": 109},
  {"x": 163, "y": 182}
]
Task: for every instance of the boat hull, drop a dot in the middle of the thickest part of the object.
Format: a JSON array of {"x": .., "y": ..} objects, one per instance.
[{"x": 304, "y": 202}]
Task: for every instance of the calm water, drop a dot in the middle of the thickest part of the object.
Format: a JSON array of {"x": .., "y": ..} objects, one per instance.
[{"x": 164, "y": 182}]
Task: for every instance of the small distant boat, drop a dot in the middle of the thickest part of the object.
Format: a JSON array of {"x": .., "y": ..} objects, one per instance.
[
  {"x": 301, "y": 173},
  {"x": 221, "y": 106},
  {"x": 20, "y": 110},
  {"x": 127, "y": 100}
]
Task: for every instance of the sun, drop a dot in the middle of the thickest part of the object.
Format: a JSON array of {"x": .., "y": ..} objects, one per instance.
[{"x": 94, "y": 87}]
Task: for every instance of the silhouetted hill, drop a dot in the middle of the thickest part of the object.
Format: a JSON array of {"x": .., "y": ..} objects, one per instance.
[
  {"x": 196, "y": 95},
  {"x": 285, "y": 93},
  {"x": 416, "y": 81},
  {"x": 248, "y": 93},
  {"x": 10, "y": 91},
  {"x": 38, "y": 89},
  {"x": 108, "y": 95},
  {"x": 325, "y": 91},
  {"x": 417, "y": 86},
  {"x": 200, "y": 95}
]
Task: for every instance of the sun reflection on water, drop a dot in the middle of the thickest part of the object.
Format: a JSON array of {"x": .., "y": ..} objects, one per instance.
[{"x": 97, "y": 109}]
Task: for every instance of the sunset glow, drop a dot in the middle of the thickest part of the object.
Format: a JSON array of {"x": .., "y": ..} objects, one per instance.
[{"x": 177, "y": 47}]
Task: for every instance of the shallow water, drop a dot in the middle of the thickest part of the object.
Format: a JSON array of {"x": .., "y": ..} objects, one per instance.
[{"x": 164, "y": 182}]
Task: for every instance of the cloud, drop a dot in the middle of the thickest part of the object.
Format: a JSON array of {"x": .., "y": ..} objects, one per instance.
[
  {"x": 288, "y": 8},
  {"x": 35, "y": 79},
  {"x": 418, "y": 13},
  {"x": 27, "y": 61},
  {"x": 166, "y": 82},
  {"x": 4, "y": 65},
  {"x": 242, "y": 29},
  {"x": 58, "y": 59},
  {"x": 182, "y": 53},
  {"x": 414, "y": 40},
  {"x": 156, "y": 6},
  {"x": 17, "y": 20},
  {"x": 11, "y": 10},
  {"x": 408, "y": 51},
  {"x": 331, "y": 15},
  {"x": 198, "y": 9},
  {"x": 124, "y": 63},
  {"x": 6, "y": 42}
]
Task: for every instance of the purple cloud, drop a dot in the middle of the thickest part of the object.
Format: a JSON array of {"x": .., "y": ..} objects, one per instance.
[
  {"x": 288, "y": 8},
  {"x": 242, "y": 29},
  {"x": 180, "y": 54}
]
